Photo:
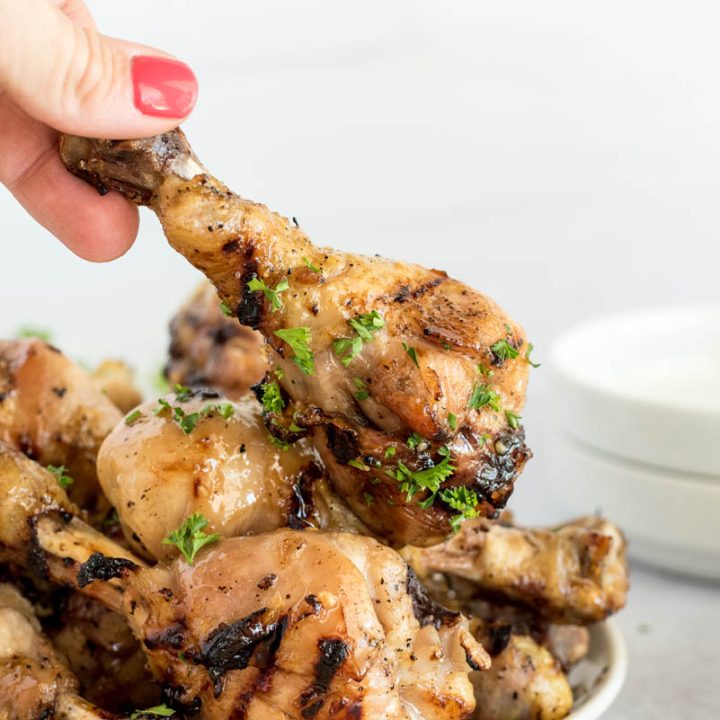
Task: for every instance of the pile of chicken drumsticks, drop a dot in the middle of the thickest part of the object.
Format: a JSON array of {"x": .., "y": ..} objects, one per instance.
[{"x": 308, "y": 525}]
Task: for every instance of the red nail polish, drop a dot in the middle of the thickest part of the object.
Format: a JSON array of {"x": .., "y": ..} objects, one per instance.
[{"x": 163, "y": 87}]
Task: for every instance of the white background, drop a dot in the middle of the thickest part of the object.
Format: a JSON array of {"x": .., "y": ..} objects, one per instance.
[{"x": 561, "y": 156}]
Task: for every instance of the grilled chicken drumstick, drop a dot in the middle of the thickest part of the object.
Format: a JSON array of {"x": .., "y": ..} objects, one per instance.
[
  {"x": 574, "y": 574},
  {"x": 54, "y": 412},
  {"x": 283, "y": 625},
  {"x": 35, "y": 683},
  {"x": 193, "y": 451},
  {"x": 211, "y": 349},
  {"x": 374, "y": 354}
]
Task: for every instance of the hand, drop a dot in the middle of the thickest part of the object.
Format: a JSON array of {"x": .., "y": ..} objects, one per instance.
[{"x": 58, "y": 74}]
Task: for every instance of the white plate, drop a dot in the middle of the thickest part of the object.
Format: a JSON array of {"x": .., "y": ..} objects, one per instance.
[
  {"x": 671, "y": 519},
  {"x": 598, "y": 679},
  {"x": 645, "y": 386}
]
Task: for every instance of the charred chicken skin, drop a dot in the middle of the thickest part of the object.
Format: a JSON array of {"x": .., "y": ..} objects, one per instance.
[
  {"x": 370, "y": 353},
  {"x": 283, "y": 625}
]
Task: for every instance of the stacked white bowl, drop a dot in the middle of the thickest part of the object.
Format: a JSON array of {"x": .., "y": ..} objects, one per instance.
[{"x": 636, "y": 431}]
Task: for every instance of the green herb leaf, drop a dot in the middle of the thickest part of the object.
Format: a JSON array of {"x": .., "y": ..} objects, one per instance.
[
  {"x": 529, "y": 350},
  {"x": 223, "y": 410},
  {"x": 298, "y": 339},
  {"x": 189, "y": 538},
  {"x": 34, "y": 332},
  {"x": 272, "y": 399},
  {"x": 513, "y": 419},
  {"x": 430, "y": 478},
  {"x": 133, "y": 417},
  {"x": 60, "y": 473},
  {"x": 462, "y": 499},
  {"x": 411, "y": 352},
  {"x": 414, "y": 440},
  {"x": 362, "y": 389},
  {"x": 390, "y": 452},
  {"x": 365, "y": 326},
  {"x": 272, "y": 295},
  {"x": 157, "y": 711},
  {"x": 182, "y": 393},
  {"x": 311, "y": 267},
  {"x": 225, "y": 309},
  {"x": 481, "y": 396},
  {"x": 368, "y": 498},
  {"x": 358, "y": 464},
  {"x": 452, "y": 421},
  {"x": 278, "y": 443},
  {"x": 504, "y": 350},
  {"x": 484, "y": 371}
]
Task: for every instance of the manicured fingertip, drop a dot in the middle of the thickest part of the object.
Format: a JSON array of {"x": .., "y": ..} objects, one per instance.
[{"x": 163, "y": 87}]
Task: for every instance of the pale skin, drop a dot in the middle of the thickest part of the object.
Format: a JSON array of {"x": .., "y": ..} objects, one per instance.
[{"x": 59, "y": 74}]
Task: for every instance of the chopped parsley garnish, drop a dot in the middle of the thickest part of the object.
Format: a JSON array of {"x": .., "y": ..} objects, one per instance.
[
  {"x": 157, "y": 711},
  {"x": 60, "y": 473},
  {"x": 272, "y": 399},
  {"x": 189, "y": 538},
  {"x": 368, "y": 498},
  {"x": 530, "y": 348},
  {"x": 278, "y": 443},
  {"x": 390, "y": 452},
  {"x": 481, "y": 396},
  {"x": 359, "y": 464},
  {"x": 430, "y": 478},
  {"x": 224, "y": 410},
  {"x": 182, "y": 393},
  {"x": 414, "y": 441},
  {"x": 461, "y": 499},
  {"x": 272, "y": 295},
  {"x": 311, "y": 267},
  {"x": 225, "y": 309},
  {"x": 133, "y": 417},
  {"x": 452, "y": 421},
  {"x": 513, "y": 419},
  {"x": 361, "y": 388},
  {"x": 445, "y": 345},
  {"x": 34, "y": 332},
  {"x": 503, "y": 350},
  {"x": 298, "y": 339},
  {"x": 411, "y": 352},
  {"x": 484, "y": 371},
  {"x": 365, "y": 326}
]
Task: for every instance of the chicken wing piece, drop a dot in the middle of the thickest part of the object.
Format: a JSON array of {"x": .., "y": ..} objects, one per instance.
[
  {"x": 525, "y": 682},
  {"x": 373, "y": 353},
  {"x": 159, "y": 467},
  {"x": 35, "y": 683},
  {"x": 211, "y": 349},
  {"x": 299, "y": 624},
  {"x": 573, "y": 574},
  {"x": 53, "y": 411}
]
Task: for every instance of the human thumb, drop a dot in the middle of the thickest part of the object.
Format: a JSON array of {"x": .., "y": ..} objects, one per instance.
[{"x": 77, "y": 81}]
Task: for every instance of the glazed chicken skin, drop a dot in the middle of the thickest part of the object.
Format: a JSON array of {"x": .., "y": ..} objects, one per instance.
[
  {"x": 156, "y": 474},
  {"x": 53, "y": 411},
  {"x": 371, "y": 353},
  {"x": 210, "y": 349},
  {"x": 576, "y": 573},
  {"x": 282, "y": 625}
]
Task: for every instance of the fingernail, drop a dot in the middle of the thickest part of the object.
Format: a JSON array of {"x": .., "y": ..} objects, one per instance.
[{"x": 163, "y": 87}]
